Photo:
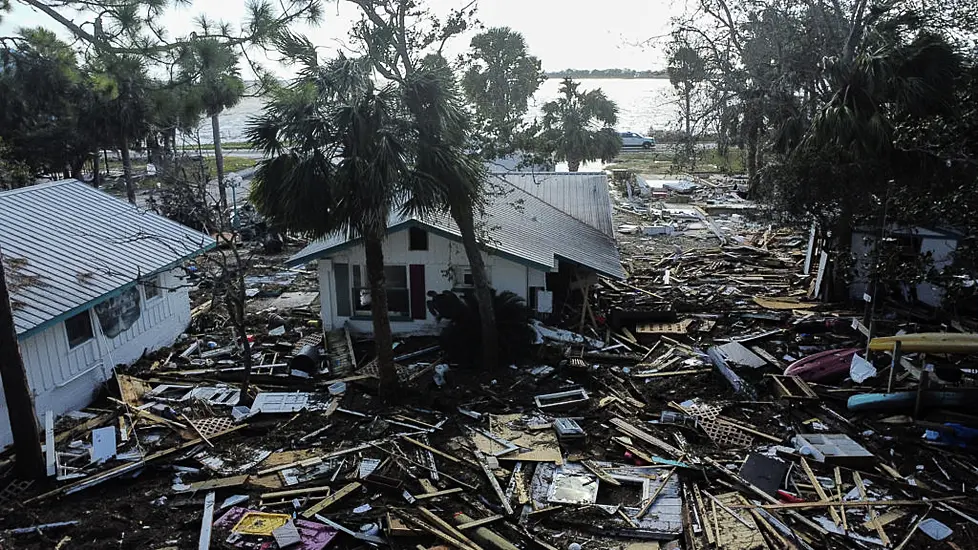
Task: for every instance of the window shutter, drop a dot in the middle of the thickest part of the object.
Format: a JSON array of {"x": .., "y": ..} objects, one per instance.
[
  {"x": 418, "y": 295},
  {"x": 342, "y": 274}
]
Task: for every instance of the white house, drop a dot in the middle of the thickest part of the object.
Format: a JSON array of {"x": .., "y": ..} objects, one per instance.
[
  {"x": 94, "y": 282},
  {"x": 545, "y": 231},
  {"x": 936, "y": 244}
]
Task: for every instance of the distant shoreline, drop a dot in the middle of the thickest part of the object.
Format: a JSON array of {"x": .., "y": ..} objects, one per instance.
[
  {"x": 624, "y": 74},
  {"x": 575, "y": 77}
]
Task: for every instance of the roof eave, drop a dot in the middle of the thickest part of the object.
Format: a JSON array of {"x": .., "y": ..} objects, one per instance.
[{"x": 92, "y": 303}]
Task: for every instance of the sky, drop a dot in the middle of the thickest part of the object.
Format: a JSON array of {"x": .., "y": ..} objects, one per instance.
[{"x": 578, "y": 34}]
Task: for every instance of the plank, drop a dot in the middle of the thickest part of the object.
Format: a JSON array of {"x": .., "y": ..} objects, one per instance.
[
  {"x": 597, "y": 470},
  {"x": 637, "y": 433},
  {"x": 819, "y": 490},
  {"x": 331, "y": 499},
  {"x": 426, "y": 496},
  {"x": 479, "y": 522},
  {"x": 448, "y": 528},
  {"x": 212, "y": 484},
  {"x": 296, "y": 492},
  {"x": 207, "y": 523},
  {"x": 50, "y": 452},
  {"x": 872, "y": 512}
]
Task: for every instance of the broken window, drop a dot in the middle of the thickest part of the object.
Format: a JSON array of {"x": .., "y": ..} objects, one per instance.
[
  {"x": 398, "y": 295},
  {"x": 417, "y": 239},
  {"x": 151, "y": 287},
  {"x": 79, "y": 329}
]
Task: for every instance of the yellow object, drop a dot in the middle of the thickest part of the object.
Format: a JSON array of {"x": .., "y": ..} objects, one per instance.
[
  {"x": 259, "y": 523},
  {"x": 929, "y": 342}
]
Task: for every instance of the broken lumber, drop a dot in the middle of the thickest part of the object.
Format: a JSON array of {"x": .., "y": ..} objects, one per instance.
[{"x": 331, "y": 499}]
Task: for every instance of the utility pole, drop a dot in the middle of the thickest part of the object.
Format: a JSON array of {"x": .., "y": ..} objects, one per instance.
[{"x": 20, "y": 401}]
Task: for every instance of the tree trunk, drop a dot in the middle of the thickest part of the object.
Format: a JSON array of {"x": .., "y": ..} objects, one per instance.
[
  {"x": 573, "y": 164},
  {"x": 20, "y": 400},
  {"x": 235, "y": 302},
  {"x": 96, "y": 173},
  {"x": 127, "y": 170},
  {"x": 373, "y": 246},
  {"x": 751, "y": 162},
  {"x": 219, "y": 162},
  {"x": 842, "y": 254},
  {"x": 464, "y": 217}
]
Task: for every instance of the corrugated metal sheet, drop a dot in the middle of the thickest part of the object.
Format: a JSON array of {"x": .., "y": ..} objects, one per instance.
[
  {"x": 520, "y": 225},
  {"x": 582, "y": 195},
  {"x": 67, "y": 246}
]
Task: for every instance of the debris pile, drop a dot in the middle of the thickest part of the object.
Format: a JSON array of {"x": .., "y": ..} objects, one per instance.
[{"x": 705, "y": 402}]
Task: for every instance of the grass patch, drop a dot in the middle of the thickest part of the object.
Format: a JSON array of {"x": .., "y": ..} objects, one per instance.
[
  {"x": 231, "y": 164},
  {"x": 232, "y": 145},
  {"x": 661, "y": 162}
]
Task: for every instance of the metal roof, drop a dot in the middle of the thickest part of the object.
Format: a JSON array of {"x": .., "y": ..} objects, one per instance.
[
  {"x": 67, "y": 246},
  {"x": 520, "y": 225},
  {"x": 583, "y": 195}
]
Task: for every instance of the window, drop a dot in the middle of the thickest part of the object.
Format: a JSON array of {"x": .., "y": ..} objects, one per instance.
[
  {"x": 151, "y": 287},
  {"x": 462, "y": 278},
  {"x": 79, "y": 329},
  {"x": 398, "y": 296},
  {"x": 417, "y": 239}
]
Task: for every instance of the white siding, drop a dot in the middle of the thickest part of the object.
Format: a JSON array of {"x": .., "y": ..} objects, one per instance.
[
  {"x": 942, "y": 253},
  {"x": 441, "y": 257},
  {"x": 64, "y": 379}
]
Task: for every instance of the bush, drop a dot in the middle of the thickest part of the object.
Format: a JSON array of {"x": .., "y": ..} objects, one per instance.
[{"x": 461, "y": 339}]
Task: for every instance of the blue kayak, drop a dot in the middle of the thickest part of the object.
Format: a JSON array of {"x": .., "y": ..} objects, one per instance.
[{"x": 907, "y": 399}]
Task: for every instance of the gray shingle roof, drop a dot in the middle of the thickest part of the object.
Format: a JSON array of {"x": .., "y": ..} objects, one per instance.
[
  {"x": 68, "y": 246},
  {"x": 582, "y": 195},
  {"x": 520, "y": 225}
]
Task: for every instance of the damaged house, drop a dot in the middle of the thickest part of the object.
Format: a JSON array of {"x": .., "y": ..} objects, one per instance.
[
  {"x": 94, "y": 282},
  {"x": 548, "y": 234}
]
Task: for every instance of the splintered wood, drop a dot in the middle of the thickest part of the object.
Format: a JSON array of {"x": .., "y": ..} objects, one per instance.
[{"x": 730, "y": 531}]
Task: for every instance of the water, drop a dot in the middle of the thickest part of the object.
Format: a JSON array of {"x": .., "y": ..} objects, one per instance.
[{"x": 642, "y": 103}]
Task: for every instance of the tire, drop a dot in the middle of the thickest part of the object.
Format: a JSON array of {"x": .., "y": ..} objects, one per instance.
[{"x": 647, "y": 146}]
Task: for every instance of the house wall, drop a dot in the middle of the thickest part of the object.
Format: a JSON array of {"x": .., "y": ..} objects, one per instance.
[
  {"x": 937, "y": 244},
  {"x": 442, "y": 255},
  {"x": 64, "y": 379}
]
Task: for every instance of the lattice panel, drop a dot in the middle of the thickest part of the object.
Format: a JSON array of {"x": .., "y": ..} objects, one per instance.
[
  {"x": 725, "y": 435},
  {"x": 702, "y": 411},
  {"x": 213, "y": 425},
  {"x": 13, "y": 491}
]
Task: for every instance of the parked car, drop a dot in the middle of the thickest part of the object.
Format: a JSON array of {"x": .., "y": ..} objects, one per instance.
[{"x": 631, "y": 139}]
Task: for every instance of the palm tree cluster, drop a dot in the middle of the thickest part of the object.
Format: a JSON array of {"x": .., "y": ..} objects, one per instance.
[{"x": 346, "y": 153}]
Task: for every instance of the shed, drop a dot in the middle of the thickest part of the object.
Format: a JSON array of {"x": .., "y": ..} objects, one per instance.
[{"x": 94, "y": 282}]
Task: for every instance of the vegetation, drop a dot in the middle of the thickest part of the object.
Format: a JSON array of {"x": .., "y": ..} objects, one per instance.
[
  {"x": 461, "y": 337},
  {"x": 579, "y": 126},
  {"x": 850, "y": 113}
]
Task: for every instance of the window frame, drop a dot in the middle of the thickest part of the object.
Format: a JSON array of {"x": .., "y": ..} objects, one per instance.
[
  {"x": 154, "y": 282},
  {"x": 91, "y": 329},
  {"x": 414, "y": 231},
  {"x": 360, "y": 284}
]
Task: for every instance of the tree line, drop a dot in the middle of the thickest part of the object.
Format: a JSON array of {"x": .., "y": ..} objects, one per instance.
[{"x": 851, "y": 113}]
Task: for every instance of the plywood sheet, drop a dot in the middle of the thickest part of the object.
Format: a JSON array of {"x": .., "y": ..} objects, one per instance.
[{"x": 539, "y": 446}]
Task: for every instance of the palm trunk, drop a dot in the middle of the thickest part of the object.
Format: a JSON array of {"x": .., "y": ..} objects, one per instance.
[
  {"x": 841, "y": 259},
  {"x": 383, "y": 339},
  {"x": 464, "y": 218},
  {"x": 20, "y": 401},
  {"x": 219, "y": 162},
  {"x": 573, "y": 164},
  {"x": 127, "y": 170}
]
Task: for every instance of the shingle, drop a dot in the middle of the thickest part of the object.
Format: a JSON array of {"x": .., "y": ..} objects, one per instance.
[
  {"x": 523, "y": 225},
  {"x": 66, "y": 245}
]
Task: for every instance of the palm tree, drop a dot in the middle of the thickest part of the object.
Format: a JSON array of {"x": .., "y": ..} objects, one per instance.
[
  {"x": 449, "y": 175},
  {"x": 122, "y": 89},
  {"x": 337, "y": 166},
  {"x": 213, "y": 67},
  {"x": 579, "y": 126}
]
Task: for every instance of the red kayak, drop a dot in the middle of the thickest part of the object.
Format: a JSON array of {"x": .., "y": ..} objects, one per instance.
[{"x": 824, "y": 366}]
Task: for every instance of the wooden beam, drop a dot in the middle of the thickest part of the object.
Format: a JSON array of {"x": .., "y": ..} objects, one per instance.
[
  {"x": 331, "y": 499},
  {"x": 819, "y": 490},
  {"x": 872, "y": 512},
  {"x": 478, "y": 522}
]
